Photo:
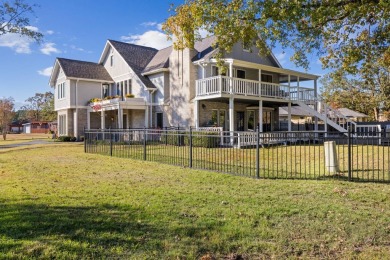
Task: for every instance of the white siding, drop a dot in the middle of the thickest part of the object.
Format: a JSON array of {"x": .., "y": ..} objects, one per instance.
[
  {"x": 159, "y": 81},
  {"x": 121, "y": 71}
]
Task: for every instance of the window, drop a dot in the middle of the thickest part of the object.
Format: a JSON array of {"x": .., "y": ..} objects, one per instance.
[
  {"x": 105, "y": 92},
  {"x": 112, "y": 60},
  {"x": 251, "y": 120},
  {"x": 118, "y": 90},
  {"x": 130, "y": 86},
  {"x": 125, "y": 89},
  {"x": 61, "y": 90},
  {"x": 62, "y": 125},
  {"x": 266, "y": 78},
  {"x": 240, "y": 74},
  {"x": 218, "y": 118}
]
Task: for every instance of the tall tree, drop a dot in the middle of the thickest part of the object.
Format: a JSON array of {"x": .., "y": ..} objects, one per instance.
[
  {"x": 40, "y": 107},
  {"x": 6, "y": 114},
  {"x": 333, "y": 29},
  {"x": 14, "y": 18}
]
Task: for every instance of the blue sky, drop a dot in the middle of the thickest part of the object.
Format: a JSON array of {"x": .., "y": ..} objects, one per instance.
[{"x": 78, "y": 29}]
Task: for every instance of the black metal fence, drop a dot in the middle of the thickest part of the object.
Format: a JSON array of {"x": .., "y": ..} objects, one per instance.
[{"x": 279, "y": 155}]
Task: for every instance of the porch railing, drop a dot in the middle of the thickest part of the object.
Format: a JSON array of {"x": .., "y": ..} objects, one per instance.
[{"x": 245, "y": 87}]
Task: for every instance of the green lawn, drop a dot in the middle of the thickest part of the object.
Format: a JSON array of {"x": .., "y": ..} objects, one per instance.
[
  {"x": 58, "y": 202},
  {"x": 296, "y": 161}
]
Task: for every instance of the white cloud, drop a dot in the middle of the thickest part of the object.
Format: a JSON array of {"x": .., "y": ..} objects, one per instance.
[
  {"x": 48, "y": 48},
  {"x": 49, "y": 32},
  {"x": 20, "y": 44},
  {"x": 281, "y": 57},
  {"x": 152, "y": 38},
  {"x": 45, "y": 72},
  {"x": 17, "y": 42}
]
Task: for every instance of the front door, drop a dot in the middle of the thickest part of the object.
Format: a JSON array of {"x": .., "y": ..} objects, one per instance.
[
  {"x": 267, "y": 121},
  {"x": 159, "y": 120},
  {"x": 125, "y": 121},
  {"x": 240, "y": 121}
]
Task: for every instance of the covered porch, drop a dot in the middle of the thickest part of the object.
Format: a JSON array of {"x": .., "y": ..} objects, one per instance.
[{"x": 118, "y": 114}]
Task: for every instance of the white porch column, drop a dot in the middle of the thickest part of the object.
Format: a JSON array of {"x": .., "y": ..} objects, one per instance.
[
  {"x": 289, "y": 116},
  {"x": 289, "y": 85},
  {"x": 231, "y": 119},
  {"x": 260, "y": 82},
  {"x": 261, "y": 116},
  {"x": 298, "y": 91},
  {"x": 196, "y": 113},
  {"x": 231, "y": 77},
  {"x": 147, "y": 116},
  {"x": 88, "y": 119},
  {"x": 120, "y": 117},
  {"x": 315, "y": 105},
  {"x": 102, "y": 120}
]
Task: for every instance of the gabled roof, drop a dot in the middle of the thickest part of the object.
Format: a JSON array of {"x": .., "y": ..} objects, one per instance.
[
  {"x": 160, "y": 60},
  {"x": 206, "y": 51},
  {"x": 137, "y": 57},
  {"x": 81, "y": 70}
]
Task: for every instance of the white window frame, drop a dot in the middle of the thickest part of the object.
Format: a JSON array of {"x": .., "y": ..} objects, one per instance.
[{"x": 61, "y": 91}]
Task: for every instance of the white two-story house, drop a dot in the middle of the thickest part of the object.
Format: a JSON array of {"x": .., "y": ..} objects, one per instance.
[{"x": 133, "y": 86}]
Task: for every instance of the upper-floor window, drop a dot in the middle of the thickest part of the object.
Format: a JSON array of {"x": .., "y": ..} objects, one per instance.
[
  {"x": 61, "y": 90},
  {"x": 105, "y": 91},
  {"x": 118, "y": 89},
  {"x": 112, "y": 60}
]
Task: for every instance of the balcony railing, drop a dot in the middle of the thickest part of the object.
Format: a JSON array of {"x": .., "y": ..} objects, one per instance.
[{"x": 245, "y": 87}]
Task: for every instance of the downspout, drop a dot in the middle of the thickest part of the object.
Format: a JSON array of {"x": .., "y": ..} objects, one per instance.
[{"x": 76, "y": 131}]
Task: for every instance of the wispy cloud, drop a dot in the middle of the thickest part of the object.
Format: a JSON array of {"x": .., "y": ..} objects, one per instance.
[
  {"x": 48, "y": 48},
  {"x": 18, "y": 43},
  {"x": 45, "y": 72},
  {"x": 149, "y": 24},
  {"x": 49, "y": 32}
]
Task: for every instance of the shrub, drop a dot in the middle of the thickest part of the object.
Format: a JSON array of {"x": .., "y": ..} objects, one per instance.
[
  {"x": 203, "y": 139},
  {"x": 173, "y": 138},
  {"x": 66, "y": 138},
  {"x": 129, "y": 95}
]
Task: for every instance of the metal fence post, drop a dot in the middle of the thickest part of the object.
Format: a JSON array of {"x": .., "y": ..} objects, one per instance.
[
  {"x": 257, "y": 153},
  {"x": 166, "y": 135},
  {"x": 190, "y": 142},
  {"x": 349, "y": 154},
  {"x": 85, "y": 141},
  {"x": 144, "y": 144},
  {"x": 110, "y": 142}
]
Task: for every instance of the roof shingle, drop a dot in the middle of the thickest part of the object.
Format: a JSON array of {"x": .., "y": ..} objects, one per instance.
[
  {"x": 84, "y": 69},
  {"x": 137, "y": 57}
]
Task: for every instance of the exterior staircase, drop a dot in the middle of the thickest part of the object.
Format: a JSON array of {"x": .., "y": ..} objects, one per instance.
[{"x": 324, "y": 112}]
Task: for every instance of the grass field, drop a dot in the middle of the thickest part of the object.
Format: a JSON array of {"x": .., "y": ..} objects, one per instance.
[
  {"x": 21, "y": 138},
  {"x": 58, "y": 202},
  {"x": 296, "y": 161}
]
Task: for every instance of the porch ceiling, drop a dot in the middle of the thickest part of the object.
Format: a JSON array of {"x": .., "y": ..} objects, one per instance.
[
  {"x": 283, "y": 72},
  {"x": 251, "y": 103}
]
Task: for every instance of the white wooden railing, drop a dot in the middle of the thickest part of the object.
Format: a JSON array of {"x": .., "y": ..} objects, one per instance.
[{"x": 246, "y": 87}]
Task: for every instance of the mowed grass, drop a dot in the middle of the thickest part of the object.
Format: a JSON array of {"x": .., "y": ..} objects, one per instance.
[
  {"x": 58, "y": 202},
  {"x": 296, "y": 161},
  {"x": 21, "y": 138}
]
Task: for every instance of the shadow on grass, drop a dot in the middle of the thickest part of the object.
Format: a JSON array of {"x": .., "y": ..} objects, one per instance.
[{"x": 37, "y": 230}]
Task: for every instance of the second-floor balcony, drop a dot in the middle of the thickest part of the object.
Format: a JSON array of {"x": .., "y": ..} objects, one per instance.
[{"x": 220, "y": 86}]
